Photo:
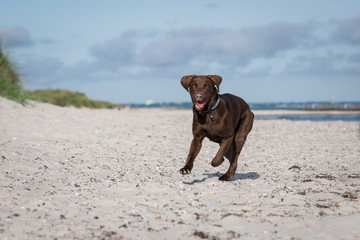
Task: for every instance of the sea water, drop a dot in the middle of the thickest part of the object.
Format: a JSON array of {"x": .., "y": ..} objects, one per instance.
[
  {"x": 316, "y": 118},
  {"x": 312, "y": 106}
]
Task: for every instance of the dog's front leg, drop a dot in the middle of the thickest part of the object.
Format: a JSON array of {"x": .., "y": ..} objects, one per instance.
[
  {"x": 224, "y": 147},
  {"x": 194, "y": 151}
]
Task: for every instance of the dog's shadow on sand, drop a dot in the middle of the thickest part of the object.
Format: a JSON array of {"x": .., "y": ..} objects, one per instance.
[{"x": 236, "y": 177}]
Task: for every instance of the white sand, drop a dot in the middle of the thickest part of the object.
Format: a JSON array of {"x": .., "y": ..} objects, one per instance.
[{"x": 106, "y": 174}]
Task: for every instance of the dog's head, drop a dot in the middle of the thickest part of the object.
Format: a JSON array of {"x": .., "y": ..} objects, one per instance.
[{"x": 202, "y": 89}]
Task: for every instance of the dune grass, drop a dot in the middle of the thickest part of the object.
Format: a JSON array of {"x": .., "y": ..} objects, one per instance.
[{"x": 10, "y": 84}]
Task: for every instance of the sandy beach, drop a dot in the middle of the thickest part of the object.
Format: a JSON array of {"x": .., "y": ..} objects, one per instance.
[{"x": 68, "y": 173}]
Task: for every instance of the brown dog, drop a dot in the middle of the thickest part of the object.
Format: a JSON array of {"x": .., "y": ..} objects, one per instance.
[{"x": 225, "y": 119}]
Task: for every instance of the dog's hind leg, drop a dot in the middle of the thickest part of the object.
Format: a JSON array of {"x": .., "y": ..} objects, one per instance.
[
  {"x": 231, "y": 152},
  {"x": 230, "y": 155},
  {"x": 224, "y": 148},
  {"x": 239, "y": 141}
]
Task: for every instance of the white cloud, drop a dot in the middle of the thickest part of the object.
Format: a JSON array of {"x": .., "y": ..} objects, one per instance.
[
  {"x": 266, "y": 52},
  {"x": 212, "y": 45},
  {"x": 348, "y": 31},
  {"x": 15, "y": 36},
  {"x": 43, "y": 70}
]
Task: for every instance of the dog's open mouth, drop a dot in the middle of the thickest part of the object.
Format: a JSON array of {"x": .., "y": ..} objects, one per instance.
[{"x": 199, "y": 105}]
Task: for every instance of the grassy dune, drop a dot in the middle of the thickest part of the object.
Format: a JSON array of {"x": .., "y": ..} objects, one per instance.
[{"x": 67, "y": 98}]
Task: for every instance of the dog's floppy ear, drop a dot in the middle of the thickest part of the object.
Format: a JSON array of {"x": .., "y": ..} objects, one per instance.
[
  {"x": 185, "y": 81},
  {"x": 217, "y": 80}
]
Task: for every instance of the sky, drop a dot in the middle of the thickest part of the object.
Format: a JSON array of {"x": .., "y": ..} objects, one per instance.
[{"x": 137, "y": 50}]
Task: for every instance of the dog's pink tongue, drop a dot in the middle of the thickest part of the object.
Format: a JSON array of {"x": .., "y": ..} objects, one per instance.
[{"x": 199, "y": 106}]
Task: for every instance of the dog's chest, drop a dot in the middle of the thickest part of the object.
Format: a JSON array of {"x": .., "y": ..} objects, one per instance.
[
  {"x": 215, "y": 130},
  {"x": 214, "y": 137}
]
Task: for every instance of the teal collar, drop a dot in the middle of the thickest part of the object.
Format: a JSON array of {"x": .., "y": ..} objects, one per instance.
[
  {"x": 214, "y": 107},
  {"x": 216, "y": 104}
]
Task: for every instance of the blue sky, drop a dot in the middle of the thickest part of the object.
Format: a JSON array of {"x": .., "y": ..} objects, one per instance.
[{"x": 133, "y": 51}]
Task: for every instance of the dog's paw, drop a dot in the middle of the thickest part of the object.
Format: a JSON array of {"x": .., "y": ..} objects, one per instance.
[
  {"x": 224, "y": 178},
  {"x": 184, "y": 171},
  {"x": 217, "y": 162}
]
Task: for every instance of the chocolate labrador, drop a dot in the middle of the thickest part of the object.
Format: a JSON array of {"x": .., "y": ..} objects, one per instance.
[{"x": 225, "y": 119}]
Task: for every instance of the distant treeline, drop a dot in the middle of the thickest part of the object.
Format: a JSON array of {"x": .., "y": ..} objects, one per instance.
[{"x": 12, "y": 88}]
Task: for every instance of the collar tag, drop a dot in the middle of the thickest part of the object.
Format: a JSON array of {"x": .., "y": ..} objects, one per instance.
[{"x": 211, "y": 116}]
